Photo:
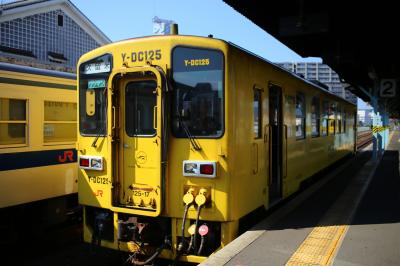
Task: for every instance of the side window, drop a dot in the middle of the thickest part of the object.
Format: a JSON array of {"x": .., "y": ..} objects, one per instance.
[
  {"x": 331, "y": 119},
  {"x": 325, "y": 116},
  {"x": 339, "y": 119},
  {"x": 13, "y": 122},
  {"x": 344, "y": 120},
  {"x": 315, "y": 117},
  {"x": 59, "y": 122},
  {"x": 300, "y": 116},
  {"x": 257, "y": 113}
]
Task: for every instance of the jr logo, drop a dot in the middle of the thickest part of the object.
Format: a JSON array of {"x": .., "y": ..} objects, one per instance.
[
  {"x": 98, "y": 193},
  {"x": 68, "y": 156}
]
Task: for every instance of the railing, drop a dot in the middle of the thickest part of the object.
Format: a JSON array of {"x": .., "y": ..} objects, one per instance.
[{"x": 363, "y": 138}]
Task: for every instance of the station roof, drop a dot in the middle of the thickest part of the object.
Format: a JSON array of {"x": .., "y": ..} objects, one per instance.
[{"x": 357, "y": 39}]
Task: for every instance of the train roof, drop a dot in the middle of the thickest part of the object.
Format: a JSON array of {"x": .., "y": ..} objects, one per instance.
[
  {"x": 36, "y": 71},
  {"x": 231, "y": 44},
  {"x": 280, "y": 68}
]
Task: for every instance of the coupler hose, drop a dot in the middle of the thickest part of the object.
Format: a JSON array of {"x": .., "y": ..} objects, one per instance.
[
  {"x": 196, "y": 228},
  {"x": 203, "y": 231},
  {"x": 188, "y": 199},
  {"x": 192, "y": 232},
  {"x": 200, "y": 201},
  {"x": 152, "y": 257}
]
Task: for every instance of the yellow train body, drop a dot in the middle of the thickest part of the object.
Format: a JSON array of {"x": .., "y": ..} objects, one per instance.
[
  {"x": 150, "y": 172},
  {"x": 37, "y": 135}
]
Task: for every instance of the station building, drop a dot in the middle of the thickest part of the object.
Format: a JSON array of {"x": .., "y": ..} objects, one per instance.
[
  {"x": 50, "y": 34},
  {"x": 322, "y": 73}
]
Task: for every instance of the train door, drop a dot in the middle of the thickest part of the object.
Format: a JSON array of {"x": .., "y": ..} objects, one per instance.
[
  {"x": 140, "y": 149},
  {"x": 275, "y": 143}
]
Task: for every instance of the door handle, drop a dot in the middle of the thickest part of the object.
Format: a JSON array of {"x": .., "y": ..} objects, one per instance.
[
  {"x": 155, "y": 117},
  {"x": 114, "y": 118},
  {"x": 267, "y": 135},
  {"x": 269, "y": 152}
]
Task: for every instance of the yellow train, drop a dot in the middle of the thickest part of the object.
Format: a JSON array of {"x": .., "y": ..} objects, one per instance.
[
  {"x": 38, "y": 169},
  {"x": 181, "y": 137}
]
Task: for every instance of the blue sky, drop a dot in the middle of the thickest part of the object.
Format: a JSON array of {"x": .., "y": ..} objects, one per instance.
[{"x": 123, "y": 19}]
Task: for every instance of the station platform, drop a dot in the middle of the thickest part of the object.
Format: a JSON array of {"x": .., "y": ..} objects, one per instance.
[{"x": 349, "y": 217}]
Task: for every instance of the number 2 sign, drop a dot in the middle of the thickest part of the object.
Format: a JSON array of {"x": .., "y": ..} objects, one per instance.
[{"x": 387, "y": 88}]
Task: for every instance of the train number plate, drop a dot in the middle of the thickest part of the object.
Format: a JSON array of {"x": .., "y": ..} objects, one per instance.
[{"x": 140, "y": 193}]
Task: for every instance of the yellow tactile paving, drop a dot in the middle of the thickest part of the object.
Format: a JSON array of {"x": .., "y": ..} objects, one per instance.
[{"x": 319, "y": 246}]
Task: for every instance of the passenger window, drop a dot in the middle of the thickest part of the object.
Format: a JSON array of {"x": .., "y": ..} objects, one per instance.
[
  {"x": 325, "y": 116},
  {"x": 339, "y": 120},
  {"x": 300, "y": 116},
  {"x": 331, "y": 119},
  {"x": 59, "y": 122},
  {"x": 12, "y": 121},
  {"x": 315, "y": 117},
  {"x": 257, "y": 114},
  {"x": 344, "y": 121},
  {"x": 139, "y": 108}
]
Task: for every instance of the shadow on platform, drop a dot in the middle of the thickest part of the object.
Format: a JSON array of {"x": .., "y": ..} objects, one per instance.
[{"x": 379, "y": 204}]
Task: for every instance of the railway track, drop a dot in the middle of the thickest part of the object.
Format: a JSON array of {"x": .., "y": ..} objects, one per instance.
[{"x": 364, "y": 138}]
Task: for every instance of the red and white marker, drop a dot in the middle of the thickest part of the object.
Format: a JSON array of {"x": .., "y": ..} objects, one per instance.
[{"x": 203, "y": 230}]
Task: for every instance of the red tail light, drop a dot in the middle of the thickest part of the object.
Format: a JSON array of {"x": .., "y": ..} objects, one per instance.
[
  {"x": 84, "y": 162},
  {"x": 206, "y": 169}
]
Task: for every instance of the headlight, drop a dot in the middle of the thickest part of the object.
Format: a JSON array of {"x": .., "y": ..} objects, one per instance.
[
  {"x": 91, "y": 162},
  {"x": 200, "y": 168}
]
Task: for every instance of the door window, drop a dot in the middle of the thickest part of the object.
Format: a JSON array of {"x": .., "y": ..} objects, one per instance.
[{"x": 140, "y": 111}]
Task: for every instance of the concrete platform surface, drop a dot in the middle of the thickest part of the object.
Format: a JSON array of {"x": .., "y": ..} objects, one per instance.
[{"x": 374, "y": 234}]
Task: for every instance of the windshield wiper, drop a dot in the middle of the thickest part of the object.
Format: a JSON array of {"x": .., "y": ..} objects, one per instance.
[
  {"x": 192, "y": 139},
  {"x": 94, "y": 143}
]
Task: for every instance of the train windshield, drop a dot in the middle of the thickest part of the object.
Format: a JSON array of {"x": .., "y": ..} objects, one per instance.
[
  {"x": 93, "y": 77},
  {"x": 198, "y": 76}
]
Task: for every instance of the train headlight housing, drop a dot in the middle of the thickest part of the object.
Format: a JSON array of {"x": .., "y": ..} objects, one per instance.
[
  {"x": 200, "y": 169},
  {"x": 91, "y": 162}
]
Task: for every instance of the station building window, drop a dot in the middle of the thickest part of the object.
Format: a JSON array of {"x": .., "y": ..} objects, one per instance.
[
  {"x": 325, "y": 116},
  {"x": 300, "y": 116},
  {"x": 13, "y": 122},
  {"x": 315, "y": 117},
  {"x": 60, "y": 20},
  {"x": 257, "y": 113},
  {"x": 59, "y": 122}
]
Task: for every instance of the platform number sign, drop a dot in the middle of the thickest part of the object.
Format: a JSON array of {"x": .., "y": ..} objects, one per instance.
[{"x": 387, "y": 88}]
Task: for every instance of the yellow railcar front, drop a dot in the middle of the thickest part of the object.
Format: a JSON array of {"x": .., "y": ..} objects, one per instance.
[
  {"x": 143, "y": 141},
  {"x": 185, "y": 136}
]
